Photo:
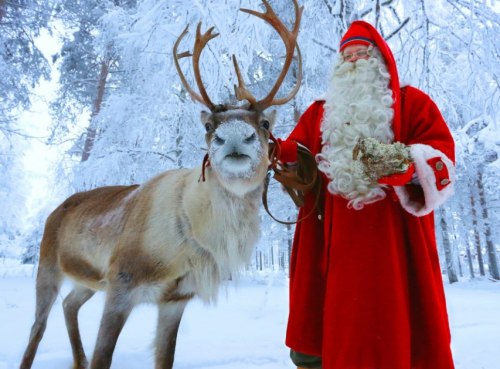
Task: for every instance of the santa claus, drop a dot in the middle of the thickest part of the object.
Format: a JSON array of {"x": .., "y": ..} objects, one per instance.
[{"x": 366, "y": 289}]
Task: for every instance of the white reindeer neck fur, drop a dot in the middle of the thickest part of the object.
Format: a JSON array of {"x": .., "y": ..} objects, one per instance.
[{"x": 219, "y": 227}]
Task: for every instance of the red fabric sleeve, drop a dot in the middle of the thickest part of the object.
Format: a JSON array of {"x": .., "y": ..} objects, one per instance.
[
  {"x": 304, "y": 130},
  {"x": 425, "y": 131},
  {"x": 288, "y": 151},
  {"x": 425, "y": 123}
]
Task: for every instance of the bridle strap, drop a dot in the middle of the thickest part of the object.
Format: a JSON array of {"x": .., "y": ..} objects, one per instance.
[
  {"x": 274, "y": 152},
  {"x": 206, "y": 163}
]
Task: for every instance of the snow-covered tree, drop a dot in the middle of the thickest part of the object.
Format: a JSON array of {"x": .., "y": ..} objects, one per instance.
[
  {"x": 21, "y": 67},
  {"x": 89, "y": 67}
]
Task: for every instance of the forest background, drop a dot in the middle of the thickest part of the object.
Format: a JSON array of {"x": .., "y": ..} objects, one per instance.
[{"x": 118, "y": 114}]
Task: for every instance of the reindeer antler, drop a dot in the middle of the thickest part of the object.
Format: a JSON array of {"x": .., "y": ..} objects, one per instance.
[
  {"x": 241, "y": 91},
  {"x": 290, "y": 40},
  {"x": 200, "y": 42}
]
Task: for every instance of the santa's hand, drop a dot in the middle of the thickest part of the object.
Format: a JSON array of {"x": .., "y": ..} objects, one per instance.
[{"x": 399, "y": 179}]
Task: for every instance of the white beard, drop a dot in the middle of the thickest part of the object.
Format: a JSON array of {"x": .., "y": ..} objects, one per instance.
[{"x": 358, "y": 105}]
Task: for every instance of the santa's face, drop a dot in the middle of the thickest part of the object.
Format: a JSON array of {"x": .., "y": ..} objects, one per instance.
[
  {"x": 358, "y": 105},
  {"x": 354, "y": 52}
]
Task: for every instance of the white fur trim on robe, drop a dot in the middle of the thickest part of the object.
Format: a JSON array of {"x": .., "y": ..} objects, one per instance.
[
  {"x": 426, "y": 175},
  {"x": 321, "y": 97}
]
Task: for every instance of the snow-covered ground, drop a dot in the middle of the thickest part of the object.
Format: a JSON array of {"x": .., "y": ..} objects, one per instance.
[{"x": 245, "y": 330}]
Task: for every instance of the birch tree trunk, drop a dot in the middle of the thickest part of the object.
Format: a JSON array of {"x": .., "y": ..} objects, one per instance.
[
  {"x": 96, "y": 108},
  {"x": 469, "y": 259},
  {"x": 450, "y": 265},
  {"x": 490, "y": 247},
  {"x": 467, "y": 244},
  {"x": 456, "y": 254},
  {"x": 460, "y": 271},
  {"x": 477, "y": 238},
  {"x": 377, "y": 15},
  {"x": 2, "y": 9}
]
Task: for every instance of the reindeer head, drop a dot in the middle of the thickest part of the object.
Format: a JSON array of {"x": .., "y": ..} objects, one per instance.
[{"x": 238, "y": 136}]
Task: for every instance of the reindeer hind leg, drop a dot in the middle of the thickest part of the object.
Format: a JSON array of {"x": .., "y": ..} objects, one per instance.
[
  {"x": 48, "y": 283},
  {"x": 72, "y": 304}
]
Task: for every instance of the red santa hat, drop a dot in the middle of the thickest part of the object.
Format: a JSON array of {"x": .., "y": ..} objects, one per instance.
[
  {"x": 361, "y": 32},
  {"x": 357, "y": 34}
]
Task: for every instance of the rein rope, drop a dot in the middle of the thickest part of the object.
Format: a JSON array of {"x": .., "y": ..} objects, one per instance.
[{"x": 296, "y": 183}]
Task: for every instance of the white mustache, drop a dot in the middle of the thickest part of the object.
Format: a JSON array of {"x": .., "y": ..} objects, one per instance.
[{"x": 345, "y": 67}]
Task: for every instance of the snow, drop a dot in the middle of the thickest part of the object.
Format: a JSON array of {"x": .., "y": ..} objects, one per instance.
[
  {"x": 474, "y": 313},
  {"x": 245, "y": 330}
]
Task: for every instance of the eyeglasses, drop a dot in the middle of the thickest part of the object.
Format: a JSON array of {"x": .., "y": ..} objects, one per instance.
[{"x": 359, "y": 54}]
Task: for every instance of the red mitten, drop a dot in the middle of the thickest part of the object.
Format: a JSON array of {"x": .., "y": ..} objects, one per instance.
[
  {"x": 288, "y": 151},
  {"x": 399, "y": 179}
]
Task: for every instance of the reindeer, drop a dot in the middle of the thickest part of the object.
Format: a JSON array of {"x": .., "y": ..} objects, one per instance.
[{"x": 172, "y": 238}]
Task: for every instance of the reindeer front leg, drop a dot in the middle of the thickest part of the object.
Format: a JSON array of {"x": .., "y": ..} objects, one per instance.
[
  {"x": 169, "y": 318},
  {"x": 116, "y": 311}
]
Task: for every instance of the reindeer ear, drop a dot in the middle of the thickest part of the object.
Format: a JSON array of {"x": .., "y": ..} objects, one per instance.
[
  {"x": 205, "y": 117},
  {"x": 272, "y": 119}
]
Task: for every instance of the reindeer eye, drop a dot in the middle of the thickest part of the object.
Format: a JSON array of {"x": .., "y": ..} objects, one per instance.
[
  {"x": 208, "y": 127},
  {"x": 265, "y": 124}
]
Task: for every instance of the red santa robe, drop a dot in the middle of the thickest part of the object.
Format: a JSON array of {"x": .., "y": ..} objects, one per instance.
[{"x": 366, "y": 289}]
